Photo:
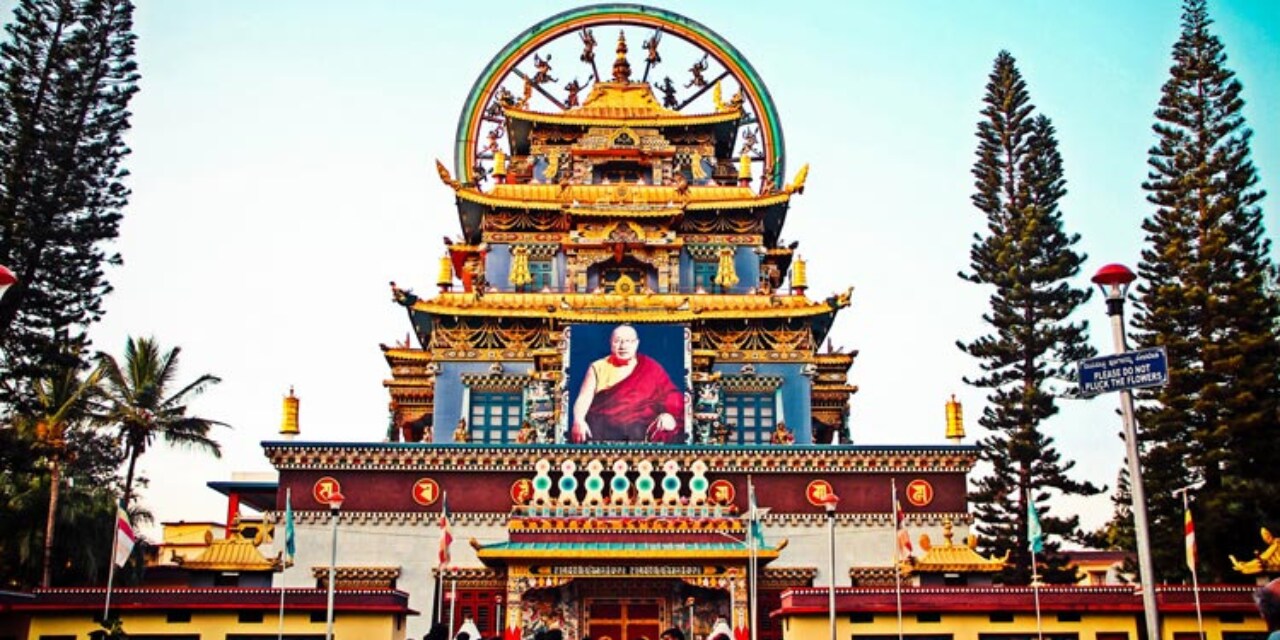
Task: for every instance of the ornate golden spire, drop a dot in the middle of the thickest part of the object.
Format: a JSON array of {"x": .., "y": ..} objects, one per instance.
[
  {"x": 622, "y": 68},
  {"x": 955, "y": 420},
  {"x": 289, "y": 423}
]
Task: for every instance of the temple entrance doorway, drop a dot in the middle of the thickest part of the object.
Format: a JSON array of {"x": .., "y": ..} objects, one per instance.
[{"x": 630, "y": 619}]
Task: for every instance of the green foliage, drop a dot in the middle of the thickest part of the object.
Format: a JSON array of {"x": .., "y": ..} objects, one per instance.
[
  {"x": 1204, "y": 294},
  {"x": 144, "y": 404},
  {"x": 58, "y": 476},
  {"x": 1027, "y": 258},
  {"x": 66, "y": 77}
]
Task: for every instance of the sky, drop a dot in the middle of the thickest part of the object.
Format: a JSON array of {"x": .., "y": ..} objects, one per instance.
[{"x": 283, "y": 173}]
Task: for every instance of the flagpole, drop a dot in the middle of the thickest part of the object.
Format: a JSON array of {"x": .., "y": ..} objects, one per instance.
[
  {"x": 751, "y": 570},
  {"x": 111, "y": 570},
  {"x": 1035, "y": 539},
  {"x": 453, "y": 601},
  {"x": 897, "y": 549},
  {"x": 288, "y": 531},
  {"x": 1191, "y": 555},
  {"x": 1035, "y": 590}
]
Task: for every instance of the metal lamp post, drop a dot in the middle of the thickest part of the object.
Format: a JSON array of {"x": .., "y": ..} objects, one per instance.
[
  {"x": 830, "y": 505},
  {"x": 1114, "y": 281},
  {"x": 335, "y": 506}
]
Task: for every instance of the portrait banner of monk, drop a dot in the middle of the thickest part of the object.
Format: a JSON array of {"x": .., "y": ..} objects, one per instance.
[{"x": 627, "y": 383}]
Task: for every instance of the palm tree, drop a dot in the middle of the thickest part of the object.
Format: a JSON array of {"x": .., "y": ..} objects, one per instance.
[
  {"x": 142, "y": 403},
  {"x": 63, "y": 403}
]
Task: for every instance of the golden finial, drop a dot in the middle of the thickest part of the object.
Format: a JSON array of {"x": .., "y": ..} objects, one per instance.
[
  {"x": 445, "y": 279},
  {"x": 289, "y": 425},
  {"x": 797, "y": 185},
  {"x": 947, "y": 530},
  {"x": 622, "y": 68},
  {"x": 744, "y": 167},
  {"x": 445, "y": 177},
  {"x": 955, "y": 420},
  {"x": 799, "y": 275}
]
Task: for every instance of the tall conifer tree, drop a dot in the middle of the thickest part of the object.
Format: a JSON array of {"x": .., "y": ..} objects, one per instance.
[
  {"x": 66, "y": 77},
  {"x": 1203, "y": 295},
  {"x": 1027, "y": 258}
]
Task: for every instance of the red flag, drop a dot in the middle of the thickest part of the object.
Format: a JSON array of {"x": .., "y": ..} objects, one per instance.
[
  {"x": 125, "y": 537},
  {"x": 1190, "y": 529},
  {"x": 446, "y": 537},
  {"x": 904, "y": 538}
]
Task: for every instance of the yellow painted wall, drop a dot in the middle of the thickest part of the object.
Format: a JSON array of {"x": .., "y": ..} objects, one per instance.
[
  {"x": 960, "y": 626},
  {"x": 216, "y": 625},
  {"x": 1213, "y": 627},
  {"x": 969, "y": 626}
]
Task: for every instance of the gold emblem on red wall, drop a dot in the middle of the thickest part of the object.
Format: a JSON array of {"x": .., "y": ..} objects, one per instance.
[
  {"x": 426, "y": 492},
  {"x": 521, "y": 491},
  {"x": 818, "y": 492},
  {"x": 325, "y": 488},
  {"x": 721, "y": 492},
  {"x": 919, "y": 493}
]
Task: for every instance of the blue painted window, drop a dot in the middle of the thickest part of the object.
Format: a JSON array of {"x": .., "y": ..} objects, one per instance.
[
  {"x": 495, "y": 417},
  {"x": 704, "y": 275},
  {"x": 541, "y": 272},
  {"x": 752, "y": 416}
]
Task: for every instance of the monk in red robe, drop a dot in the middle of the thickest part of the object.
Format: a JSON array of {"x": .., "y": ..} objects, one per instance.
[{"x": 627, "y": 397}]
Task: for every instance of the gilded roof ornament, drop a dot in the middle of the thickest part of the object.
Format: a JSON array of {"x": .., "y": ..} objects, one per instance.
[
  {"x": 1266, "y": 562},
  {"x": 797, "y": 185},
  {"x": 621, "y": 67},
  {"x": 445, "y": 177}
]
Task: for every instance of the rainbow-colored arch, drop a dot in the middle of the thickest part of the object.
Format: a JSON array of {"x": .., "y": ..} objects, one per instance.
[{"x": 632, "y": 14}]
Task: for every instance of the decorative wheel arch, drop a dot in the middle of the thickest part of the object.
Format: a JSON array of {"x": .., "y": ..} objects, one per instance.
[{"x": 524, "y": 46}]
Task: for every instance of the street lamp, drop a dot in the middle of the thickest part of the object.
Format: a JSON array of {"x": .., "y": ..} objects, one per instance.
[
  {"x": 1114, "y": 281},
  {"x": 7, "y": 279},
  {"x": 335, "y": 506},
  {"x": 830, "y": 505}
]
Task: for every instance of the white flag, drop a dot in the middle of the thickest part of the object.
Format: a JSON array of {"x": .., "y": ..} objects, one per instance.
[{"x": 125, "y": 537}]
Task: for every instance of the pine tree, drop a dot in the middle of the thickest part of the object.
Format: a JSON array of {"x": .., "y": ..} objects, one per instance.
[
  {"x": 1027, "y": 258},
  {"x": 66, "y": 77},
  {"x": 1203, "y": 294}
]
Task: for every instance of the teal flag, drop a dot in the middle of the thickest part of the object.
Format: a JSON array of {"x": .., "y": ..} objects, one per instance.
[
  {"x": 290, "y": 546},
  {"x": 1035, "y": 536},
  {"x": 757, "y": 531}
]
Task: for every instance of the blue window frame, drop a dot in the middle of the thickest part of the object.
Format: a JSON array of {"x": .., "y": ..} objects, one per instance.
[
  {"x": 495, "y": 416},
  {"x": 704, "y": 275},
  {"x": 541, "y": 272},
  {"x": 752, "y": 415}
]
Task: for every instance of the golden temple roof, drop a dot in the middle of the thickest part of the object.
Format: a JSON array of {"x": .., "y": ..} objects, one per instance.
[
  {"x": 623, "y": 103},
  {"x": 234, "y": 554},
  {"x": 641, "y": 307},
  {"x": 952, "y": 559}
]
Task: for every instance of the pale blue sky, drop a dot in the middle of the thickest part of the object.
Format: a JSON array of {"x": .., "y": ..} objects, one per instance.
[{"x": 282, "y": 174}]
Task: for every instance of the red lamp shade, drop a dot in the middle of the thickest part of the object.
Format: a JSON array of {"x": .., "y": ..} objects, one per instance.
[
  {"x": 6, "y": 276},
  {"x": 1113, "y": 274}
]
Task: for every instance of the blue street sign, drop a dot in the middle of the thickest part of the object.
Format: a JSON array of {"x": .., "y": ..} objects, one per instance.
[{"x": 1142, "y": 368}]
